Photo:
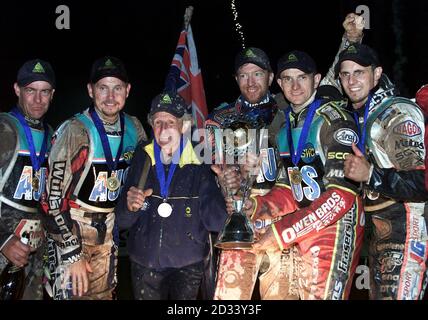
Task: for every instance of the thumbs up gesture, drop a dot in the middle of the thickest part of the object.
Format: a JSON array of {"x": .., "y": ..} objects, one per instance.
[{"x": 356, "y": 166}]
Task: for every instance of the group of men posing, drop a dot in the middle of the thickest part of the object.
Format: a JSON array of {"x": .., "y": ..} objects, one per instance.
[{"x": 346, "y": 155}]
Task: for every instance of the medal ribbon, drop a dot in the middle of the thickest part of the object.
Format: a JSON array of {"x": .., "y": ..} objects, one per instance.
[
  {"x": 296, "y": 155},
  {"x": 36, "y": 161},
  {"x": 362, "y": 132},
  {"x": 112, "y": 165},
  {"x": 160, "y": 170}
]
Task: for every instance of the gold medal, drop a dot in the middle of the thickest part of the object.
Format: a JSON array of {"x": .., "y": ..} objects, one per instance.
[
  {"x": 295, "y": 176},
  {"x": 113, "y": 183},
  {"x": 35, "y": 182}
]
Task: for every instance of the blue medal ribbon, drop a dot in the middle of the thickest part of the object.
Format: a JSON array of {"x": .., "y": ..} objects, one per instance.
[
  {"x": 36, "y": 161},
  {"x": 362, "y": 132},
  {"x": 112, "y": 165},
  {"x": 296, "y": 155},
  {"x": 160, "y": 170}
]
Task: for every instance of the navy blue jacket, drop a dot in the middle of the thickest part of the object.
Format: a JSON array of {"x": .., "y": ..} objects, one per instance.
[{"x": 198, "y": 208}]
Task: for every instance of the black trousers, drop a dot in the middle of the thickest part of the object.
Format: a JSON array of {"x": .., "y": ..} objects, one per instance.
[{"x": 168, "y": 283}]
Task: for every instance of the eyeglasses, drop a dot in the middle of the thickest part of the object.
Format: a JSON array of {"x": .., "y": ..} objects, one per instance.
[{"x": 357, "y": 74}]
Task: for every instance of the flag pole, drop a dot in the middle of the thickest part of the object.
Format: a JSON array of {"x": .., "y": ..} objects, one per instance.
[{"x": 188, "y": 16}]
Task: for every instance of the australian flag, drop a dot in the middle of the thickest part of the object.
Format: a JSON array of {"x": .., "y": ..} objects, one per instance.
[{"x": 185, "y": 77}]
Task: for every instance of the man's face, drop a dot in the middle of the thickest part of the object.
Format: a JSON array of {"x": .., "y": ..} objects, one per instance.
[
  {"x": 167, "y": 130},
  {"x": 35, "y": 98},
  {"x": 357, "y": 81},
  {"x": 298, "y": 86},
  {"x": 109, "y": 95},
  {"x": 253, "y": 82}
]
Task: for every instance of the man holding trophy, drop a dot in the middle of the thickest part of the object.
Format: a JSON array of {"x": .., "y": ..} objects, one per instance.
[{"x": 254, "y": 109}]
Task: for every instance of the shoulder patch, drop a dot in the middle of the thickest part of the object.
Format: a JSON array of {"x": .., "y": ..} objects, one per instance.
[{"x": 332, "y": 111}]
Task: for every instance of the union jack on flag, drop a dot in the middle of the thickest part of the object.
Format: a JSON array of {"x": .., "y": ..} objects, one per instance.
[{"x": 185, "y": 77}]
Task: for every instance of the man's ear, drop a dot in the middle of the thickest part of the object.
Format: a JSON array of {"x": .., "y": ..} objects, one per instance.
[
  {"x": 377, "y": 74},
  {"x": 271, "y": 77},
  {"x": 317, "y": 79},
  {"x": 17, "y": 89},
  {"x": 90, "y": 91}
]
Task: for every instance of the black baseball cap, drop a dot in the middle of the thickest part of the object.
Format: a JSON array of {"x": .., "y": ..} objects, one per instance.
[
  {"x": 108, "y": 67},
  {"x": 359, "y": 53},
  {"x": 252, "y": 55},
  {"x": 171, "y": 103},
  {"x": 296, "y": 60},
  {"x": 35, "y": 70}
]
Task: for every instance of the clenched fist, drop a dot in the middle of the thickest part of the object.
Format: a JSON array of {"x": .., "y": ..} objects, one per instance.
[
  {"x": 353, "y": 25},
  {"x": 135, "y": 198}
]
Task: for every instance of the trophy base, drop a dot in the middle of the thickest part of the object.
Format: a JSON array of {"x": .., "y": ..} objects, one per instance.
[{"x": 238, "y": 245}]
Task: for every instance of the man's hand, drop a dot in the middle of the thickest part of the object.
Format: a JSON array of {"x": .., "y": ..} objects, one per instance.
[
  {"x": 78, "y": 271},
  {"x": 356, "y": 166},
  {"x": 354, "y": 26},
  {"x": 266, "y": 241},
  {"x": 136, "y": 197},
  {"x": 251, "y": 165},
  {"x": 229, "y": 178},
  {"x": 249, "y": 207},
  {"x": 16, "y": 252}
]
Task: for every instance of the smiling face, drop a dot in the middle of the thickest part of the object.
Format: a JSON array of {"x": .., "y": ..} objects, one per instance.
[
  {"x": 253, "y": 82},
  {"x": 109, "y": 95},
  {"x": 298, "y": 86},
  {"x": 167, "y": 130},
  {"x": 34, "y": 99},
  {"x": 357, "y": 81}
]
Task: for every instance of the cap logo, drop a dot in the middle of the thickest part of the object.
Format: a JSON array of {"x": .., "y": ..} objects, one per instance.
[
  {"x": 109, "y": 65},
  {"x": 351, "y": 49},
  {"x": 250, "y": 54},
  {"x": 166, "y": 99},
  {"x": 38, "y": 68},
  {"x": 292, "y": 58}
]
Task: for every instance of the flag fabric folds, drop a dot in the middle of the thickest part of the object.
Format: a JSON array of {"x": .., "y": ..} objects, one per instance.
[{"x": 185, "y": 77}]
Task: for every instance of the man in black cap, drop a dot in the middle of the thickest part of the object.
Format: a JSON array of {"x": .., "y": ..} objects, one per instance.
[
  {"x": 391, "y": 136},
  {"x": 257, "y": 109},
  {"x": 314, "y": 210},
  {"x": 170, "y": 202},
  {"x": 87, "y": 167},
  {"x": 23, "y": 160}
]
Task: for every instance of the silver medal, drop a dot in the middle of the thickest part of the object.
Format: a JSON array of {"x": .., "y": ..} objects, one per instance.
[{"x": 164, "y": 210}]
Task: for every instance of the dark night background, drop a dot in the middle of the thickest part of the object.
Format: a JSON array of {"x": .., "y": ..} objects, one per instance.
[{"x": 144, "y": 35}]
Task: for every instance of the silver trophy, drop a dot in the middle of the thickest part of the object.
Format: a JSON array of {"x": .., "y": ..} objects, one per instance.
[{"x": 237, "y": 142}]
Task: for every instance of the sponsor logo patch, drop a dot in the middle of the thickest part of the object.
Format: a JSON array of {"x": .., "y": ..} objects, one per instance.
[
  {"x": 407, "y": 128},
  {"x": 346, "y": 136},
  {"x": 404, "y": 143},
  {"x": 417, "y": 251},
  {"x": 308, "y": 154}
]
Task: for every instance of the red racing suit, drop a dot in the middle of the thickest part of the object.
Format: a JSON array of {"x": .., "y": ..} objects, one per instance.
[{"x": 322, "y": 218}]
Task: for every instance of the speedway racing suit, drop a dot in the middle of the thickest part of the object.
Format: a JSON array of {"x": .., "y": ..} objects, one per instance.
[
  {"x": 79, "y": 208},
  {"x": 322, "y": 218},
  {"x": 238, "y": 269},
  {"x": 398, "y": 241},
  {"x": 19, "y": 196}
]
